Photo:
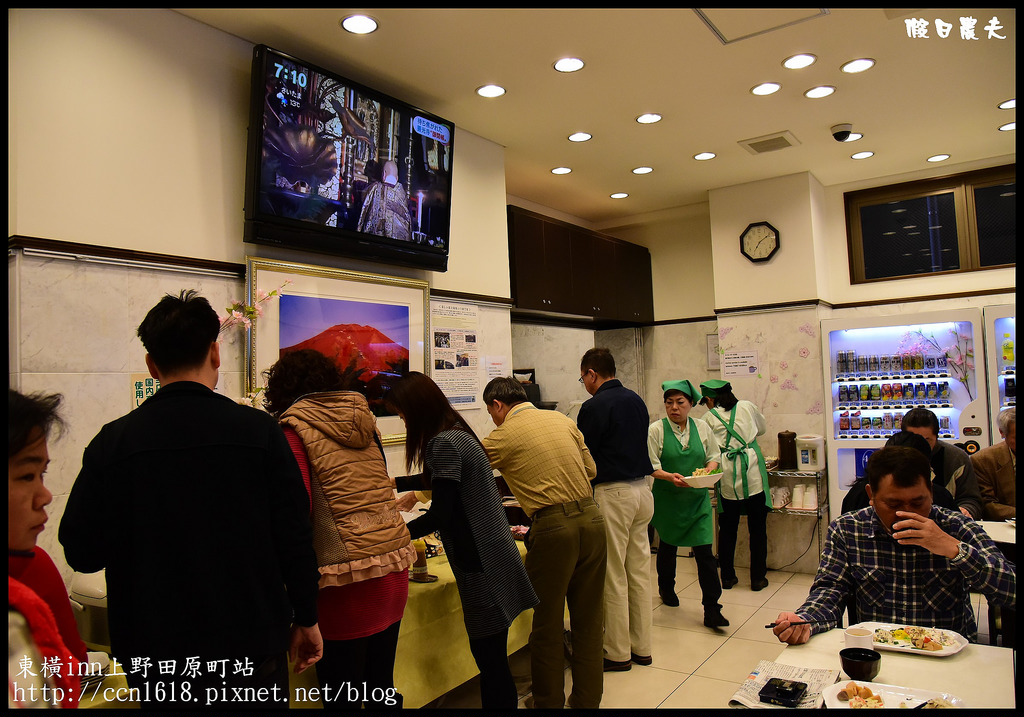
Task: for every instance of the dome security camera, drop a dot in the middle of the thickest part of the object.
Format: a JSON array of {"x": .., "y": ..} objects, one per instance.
[{"x": 841, "y": 132}]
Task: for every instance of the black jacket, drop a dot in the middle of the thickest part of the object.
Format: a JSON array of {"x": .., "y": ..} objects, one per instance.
[{"x": 196, "y": 508}]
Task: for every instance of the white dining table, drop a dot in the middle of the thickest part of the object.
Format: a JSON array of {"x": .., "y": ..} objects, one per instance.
[
  {"x": 980, "y": 675},
  {"x": 1000, "y": 531}
]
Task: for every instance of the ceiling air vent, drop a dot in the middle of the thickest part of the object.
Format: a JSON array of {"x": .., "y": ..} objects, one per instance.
[{"x": 769, "y": 143}]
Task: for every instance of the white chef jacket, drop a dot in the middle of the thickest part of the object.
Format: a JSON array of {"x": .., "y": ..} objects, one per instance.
[{"x": 749, "y": 424}]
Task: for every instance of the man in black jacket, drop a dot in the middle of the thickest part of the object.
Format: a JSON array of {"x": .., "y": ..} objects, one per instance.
[{"x": 195, "y": 507}]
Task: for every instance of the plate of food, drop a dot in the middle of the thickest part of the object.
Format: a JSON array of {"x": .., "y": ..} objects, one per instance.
[
  {"x": 929, "y": 641},
  {"x": 872, "y": 695},
  {"x": 703, "y": 478}
]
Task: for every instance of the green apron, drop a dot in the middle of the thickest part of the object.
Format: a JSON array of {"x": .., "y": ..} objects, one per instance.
[
  {"x": 740, "y": 451},
  {"x": 682, "y": 516}
]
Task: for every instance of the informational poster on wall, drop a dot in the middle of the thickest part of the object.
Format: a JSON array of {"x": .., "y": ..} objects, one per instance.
[
  {"x": 740, "y": 364},
  {"x": 455, "y": 352},
  {"x": 143, "y": 386}
]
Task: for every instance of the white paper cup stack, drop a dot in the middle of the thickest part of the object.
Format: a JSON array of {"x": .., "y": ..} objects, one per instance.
[{"x": 810, "y": 498}]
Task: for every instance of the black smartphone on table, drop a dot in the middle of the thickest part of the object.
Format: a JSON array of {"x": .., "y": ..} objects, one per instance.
[{"x": 786, "y": 693}]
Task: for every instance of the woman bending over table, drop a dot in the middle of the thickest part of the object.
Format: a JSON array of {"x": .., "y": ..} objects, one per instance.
[{"x": 466, "y": 509}]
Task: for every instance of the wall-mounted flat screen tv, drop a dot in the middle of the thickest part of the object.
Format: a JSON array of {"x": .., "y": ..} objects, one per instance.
[{"x": 338, "y": 168}]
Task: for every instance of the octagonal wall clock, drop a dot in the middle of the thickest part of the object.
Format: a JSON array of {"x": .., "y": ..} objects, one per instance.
[{"x": 759, "y": 242}]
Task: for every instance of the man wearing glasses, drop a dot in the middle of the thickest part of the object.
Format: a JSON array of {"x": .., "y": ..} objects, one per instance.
[{"x": 614, "y": 425}]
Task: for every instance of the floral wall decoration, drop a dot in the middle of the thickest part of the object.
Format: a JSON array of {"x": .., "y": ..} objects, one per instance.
[
  {"x": 242, "y": 314},
  {"x": 957, "y": 356}
]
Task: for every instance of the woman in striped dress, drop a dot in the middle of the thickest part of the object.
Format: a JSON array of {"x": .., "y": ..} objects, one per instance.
[{"x": 466, "y": 509}]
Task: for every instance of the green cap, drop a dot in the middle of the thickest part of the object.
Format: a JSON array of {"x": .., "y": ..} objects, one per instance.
[
  {"x": 712, "y": 388},
  {"x": 684, "y": 386}
]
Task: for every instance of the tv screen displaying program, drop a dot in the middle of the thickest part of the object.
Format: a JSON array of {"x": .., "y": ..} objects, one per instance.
[{"x": 339, "y": 168}]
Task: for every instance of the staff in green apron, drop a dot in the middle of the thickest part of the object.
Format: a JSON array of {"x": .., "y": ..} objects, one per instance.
[
  {"x": 678, "y": 446},
  {"x": 743, "y": 489}
]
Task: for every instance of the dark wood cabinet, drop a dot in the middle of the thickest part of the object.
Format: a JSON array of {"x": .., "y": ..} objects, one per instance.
[
  {"x": 561, "y": 268},
  {"x": 539, "y": 255},
  {"x": 635, "y": 299}
]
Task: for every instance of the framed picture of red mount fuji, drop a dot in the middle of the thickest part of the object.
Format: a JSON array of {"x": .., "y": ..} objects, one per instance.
[{"x": 373, "y": 327}]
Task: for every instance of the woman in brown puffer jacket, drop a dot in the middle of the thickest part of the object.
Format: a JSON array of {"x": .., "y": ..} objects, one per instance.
[{"x": 362, "y": 544}]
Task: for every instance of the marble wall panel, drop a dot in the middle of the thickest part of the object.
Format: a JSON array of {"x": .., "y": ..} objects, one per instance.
[
  {"x": 554, "y": 352},
  {"x": 672, "y": 352},
  {"x": 60, "y": 300},
  {"x": 626, "y": 346}
]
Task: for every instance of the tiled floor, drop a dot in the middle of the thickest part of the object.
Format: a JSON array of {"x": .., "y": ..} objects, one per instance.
[{"x": 694, "y": 666}]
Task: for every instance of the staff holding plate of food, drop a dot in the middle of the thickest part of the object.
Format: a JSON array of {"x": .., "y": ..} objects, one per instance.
[{"x": 681, "y": 448}]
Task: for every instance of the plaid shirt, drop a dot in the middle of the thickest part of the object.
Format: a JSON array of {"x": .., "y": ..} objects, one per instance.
[{"x": 908, "y": 585}]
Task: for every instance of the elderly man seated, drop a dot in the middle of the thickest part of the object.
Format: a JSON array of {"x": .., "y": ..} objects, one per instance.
[
  {"x": 903, "y": 560},
  {"x": 996, "y": 469}
]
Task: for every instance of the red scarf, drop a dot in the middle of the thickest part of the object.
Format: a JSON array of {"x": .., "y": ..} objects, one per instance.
[{"x": 47, "y": 638}]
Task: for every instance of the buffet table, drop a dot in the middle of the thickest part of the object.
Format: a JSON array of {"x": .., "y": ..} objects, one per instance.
[
  {"x": 433, "y": 649},
  {"x": 980, "y": 675}
]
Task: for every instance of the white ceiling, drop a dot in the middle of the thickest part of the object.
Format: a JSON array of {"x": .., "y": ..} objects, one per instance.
[{"x": 923, "y": 97}]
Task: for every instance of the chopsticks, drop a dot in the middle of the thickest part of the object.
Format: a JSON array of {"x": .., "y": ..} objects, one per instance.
[{"x": 794, "y": 624}]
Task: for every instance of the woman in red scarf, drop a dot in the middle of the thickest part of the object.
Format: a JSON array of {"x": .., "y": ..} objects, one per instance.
[{"x": 48, "y": 669}]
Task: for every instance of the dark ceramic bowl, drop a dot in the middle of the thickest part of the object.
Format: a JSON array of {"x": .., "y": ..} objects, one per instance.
[{"x": 860, "y": 664}]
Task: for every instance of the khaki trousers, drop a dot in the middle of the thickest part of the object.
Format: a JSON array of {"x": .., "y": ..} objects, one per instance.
[
  {"x": 628, "y": 507},
  {"x": 565, "y": 560}
]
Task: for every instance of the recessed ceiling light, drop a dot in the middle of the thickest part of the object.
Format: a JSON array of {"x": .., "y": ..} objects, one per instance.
[
  {"x": 862, "y": 155},
  {"x": 1008, "y": 105},
  {"x": 859, "y": 65},
  {"x": 1008, "y": 126},
  {"x": 490, "y": 91},
  {"x": 854, "y": 136},
  {"x": 704, "y": 156},
  {"x": 816, "y": 93},
  {"x": 569, "y": 64},
  {"x": 798, "y": 62},
  {"x": 643, "y": 170},
  {"x": 579, "y": 137},
  {"x": 938, "y": 158},
  {"x": 618, "y": 195},
  {"x": 560, "y": 170},
  {"x": 359, "y": 24},
  {"x": 766, "y": 88},
  {"x": 649, "y": 118}
]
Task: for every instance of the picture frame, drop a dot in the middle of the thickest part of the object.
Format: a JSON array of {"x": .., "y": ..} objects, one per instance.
[
  {"x": 714, "y": 355},
  {"x": 376, "y": 327}
]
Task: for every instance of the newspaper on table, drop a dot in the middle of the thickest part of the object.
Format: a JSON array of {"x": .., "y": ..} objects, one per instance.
[{"x": 817, "y": 680}]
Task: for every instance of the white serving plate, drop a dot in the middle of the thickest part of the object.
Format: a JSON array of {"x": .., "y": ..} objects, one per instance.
[
  {"x": 893, "y": 696},
  {"x": 961, "y": 641},
  {"x": 702, "y": 481}
]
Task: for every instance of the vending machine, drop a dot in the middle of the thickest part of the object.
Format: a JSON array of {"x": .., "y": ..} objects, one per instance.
[
  {"x": 879, "y": 368},
  {"x": 1000, "y": 340}
]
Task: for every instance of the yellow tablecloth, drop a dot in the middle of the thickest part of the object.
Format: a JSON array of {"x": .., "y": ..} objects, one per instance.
[{"x": 433, "y": 649}]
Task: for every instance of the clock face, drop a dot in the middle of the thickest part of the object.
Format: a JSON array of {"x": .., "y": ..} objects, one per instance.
[{"x": 759, "y": 241}]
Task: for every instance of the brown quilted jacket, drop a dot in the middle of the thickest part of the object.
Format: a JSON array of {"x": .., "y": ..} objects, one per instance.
[{"x": 357, "y": 531}]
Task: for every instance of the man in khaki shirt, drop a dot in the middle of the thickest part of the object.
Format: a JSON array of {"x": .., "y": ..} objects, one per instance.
[{"x": 545, "y": 462}]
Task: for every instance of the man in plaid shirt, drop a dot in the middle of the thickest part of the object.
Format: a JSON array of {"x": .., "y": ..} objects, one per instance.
[{"x": 902, "y": 560}]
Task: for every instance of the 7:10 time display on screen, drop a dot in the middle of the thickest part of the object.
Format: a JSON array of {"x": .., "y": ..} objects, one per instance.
[{"x": 296, "y": 77}]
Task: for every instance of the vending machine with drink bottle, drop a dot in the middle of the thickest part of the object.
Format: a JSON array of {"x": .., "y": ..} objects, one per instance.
[
  {"x": 877, "y": 369},
  {"x": 1000, "y": 339}
]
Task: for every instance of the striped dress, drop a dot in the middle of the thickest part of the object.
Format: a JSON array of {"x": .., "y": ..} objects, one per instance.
[{"x": 495, "y": 589}]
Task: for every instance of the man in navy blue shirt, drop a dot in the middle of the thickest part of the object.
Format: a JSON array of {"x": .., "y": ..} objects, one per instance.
[{"x": 614, "y": 425}]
